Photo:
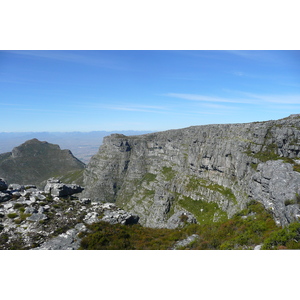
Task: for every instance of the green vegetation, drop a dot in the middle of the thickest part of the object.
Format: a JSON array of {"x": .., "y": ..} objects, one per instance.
[
  {"x": 149, "y": 177},
  {"x": 285, "y": 238},
  {"x": 12, "y": 215},
  {"x": 73, "y": 177},
  {"x": 203, "y": 211},
  {"x": 104, "y": 236},
  {"x": 252, "y": 226},
  {"x": 168, "y": 173},
  {"x": 296, "y": 200},
  {"x": 18, "y": 205},
  {"x": 195, "y": 183}
]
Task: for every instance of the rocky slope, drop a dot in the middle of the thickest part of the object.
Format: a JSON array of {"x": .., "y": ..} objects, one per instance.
[
  {"x": 206, "y": 173},
  {"x": 50, "y": 218},
  {"x": 36, "y": 161}
]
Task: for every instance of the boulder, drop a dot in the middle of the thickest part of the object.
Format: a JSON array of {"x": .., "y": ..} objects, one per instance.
[
  {"x": 35, "y": 217},
  {"x": 5, "y": 197},
  {"x": 3, "y": 185},
  {"x": 16, "y": 187},
  {"x": 85, "y": 201},
  {"x": 120, "y": 216},
  {"x": 179, "y": 218},
  {"x": 58, "y": 189}
]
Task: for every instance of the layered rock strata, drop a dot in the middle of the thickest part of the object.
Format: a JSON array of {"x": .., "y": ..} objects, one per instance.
[{"x": 206, "y": 173}]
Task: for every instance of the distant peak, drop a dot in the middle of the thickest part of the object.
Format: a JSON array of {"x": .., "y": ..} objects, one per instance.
[{"x": 34, "y": 141}]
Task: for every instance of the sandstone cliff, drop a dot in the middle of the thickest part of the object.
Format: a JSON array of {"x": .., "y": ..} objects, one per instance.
[{"x": 206, "y": 173}]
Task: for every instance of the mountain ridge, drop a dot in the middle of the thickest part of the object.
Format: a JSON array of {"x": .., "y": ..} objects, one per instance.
[
  {"x": 210, "y": 171},
  {"x": 35, "y": 161}
]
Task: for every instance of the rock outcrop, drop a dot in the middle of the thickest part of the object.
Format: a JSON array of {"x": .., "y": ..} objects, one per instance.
[
  {"x": 58, "y": 189},
  {"x": 36, "y": 161},
  {"x": 208, "y": 172},
  {"x": 31, "y": 218}
]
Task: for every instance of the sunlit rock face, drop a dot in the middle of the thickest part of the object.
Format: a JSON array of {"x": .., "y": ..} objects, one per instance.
[{"x": 203, "y": 173}]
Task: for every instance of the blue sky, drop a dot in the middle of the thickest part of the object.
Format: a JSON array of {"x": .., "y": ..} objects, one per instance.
[{"x": 144, "y": 90}]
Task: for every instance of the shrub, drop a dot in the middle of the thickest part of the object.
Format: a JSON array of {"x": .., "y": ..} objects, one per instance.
[
  {"x": 288, "y": 237},
  {"x": 18, "y": 205},
  {"x": 12, "y": 215}
]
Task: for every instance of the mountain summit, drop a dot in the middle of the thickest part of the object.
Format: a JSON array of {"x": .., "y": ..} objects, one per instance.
[{"x": 34, "y": 161}]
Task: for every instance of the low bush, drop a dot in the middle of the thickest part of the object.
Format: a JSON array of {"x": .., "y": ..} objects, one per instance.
[
  {"x": 12, "y": 215},
  {"x": 288, "y": 237}
]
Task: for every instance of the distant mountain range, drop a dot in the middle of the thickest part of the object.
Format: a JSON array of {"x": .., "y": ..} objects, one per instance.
[{"x": 83, "y": 145}]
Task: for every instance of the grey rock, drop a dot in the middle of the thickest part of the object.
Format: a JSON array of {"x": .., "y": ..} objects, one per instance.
[
  {"x": 41, "y": 210},
  {"x": 85, "y": 201},
  {"x": 91, "y": 217},
  {"x": 186, "y": 242},
  {"x": 8, "y": 205},
  {"x": 3, "y": 185},
  {"x": 46, "y": 207},
  {"x": 30, "y": 210},
  {"x": 65, "y": 241},
  {"x": 119, "y": 217},
  {"x": 36, "y": 217},
  {"x": 5, "y": 197},
  {"x": 157, "y": 174},
  {"x": 56, "y": 188},
  {"x": 180, "y": 218},
  {"x": 16, "y": 187},
  {"x": 29, "y": 186},
  {"x": 274, "y": 184},
  {"x": 16, "y": 194}
]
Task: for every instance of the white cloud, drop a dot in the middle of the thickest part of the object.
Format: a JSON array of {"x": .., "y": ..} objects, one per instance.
[
  {"x": 283, "y": 99},
  {"x": 250, "y": 98},
  {"x": 70, "y": 56},
  {"x": 195, "y": 97}
]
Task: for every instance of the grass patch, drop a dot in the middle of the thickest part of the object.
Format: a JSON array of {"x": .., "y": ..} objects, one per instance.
[
  {"x": 203, "y": 211},
  {"x": 73, "y": 177},
  {"x": 18, "y": 205},
  {"x": 149, "y": 177},
  {"x": 270, "y": 153},
  {"x": 195, "y": 183},
  {"x": 12, "y": 215},
  {"x": 168, "y": 173}
]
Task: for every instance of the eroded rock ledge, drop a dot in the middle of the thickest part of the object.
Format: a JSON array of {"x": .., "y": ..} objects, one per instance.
[{"x": 210, "y": 172}]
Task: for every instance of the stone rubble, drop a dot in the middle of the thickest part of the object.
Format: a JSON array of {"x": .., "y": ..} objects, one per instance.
[{"x": 36, "y": 219}]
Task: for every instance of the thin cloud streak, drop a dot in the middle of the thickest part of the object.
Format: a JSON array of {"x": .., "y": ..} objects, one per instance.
[
  {"x": 282, "y": 99},
  {"x": 69, "y": 57},
  {"x": 138, "y": 108},
  {"x": 194, "y": 97},
  {"x": 251, "y": 98}
]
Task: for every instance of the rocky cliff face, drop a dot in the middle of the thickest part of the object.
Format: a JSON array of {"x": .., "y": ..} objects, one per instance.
[
  {"x": 36, "y": 161},
  {"x": 204, "y": 173}
]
